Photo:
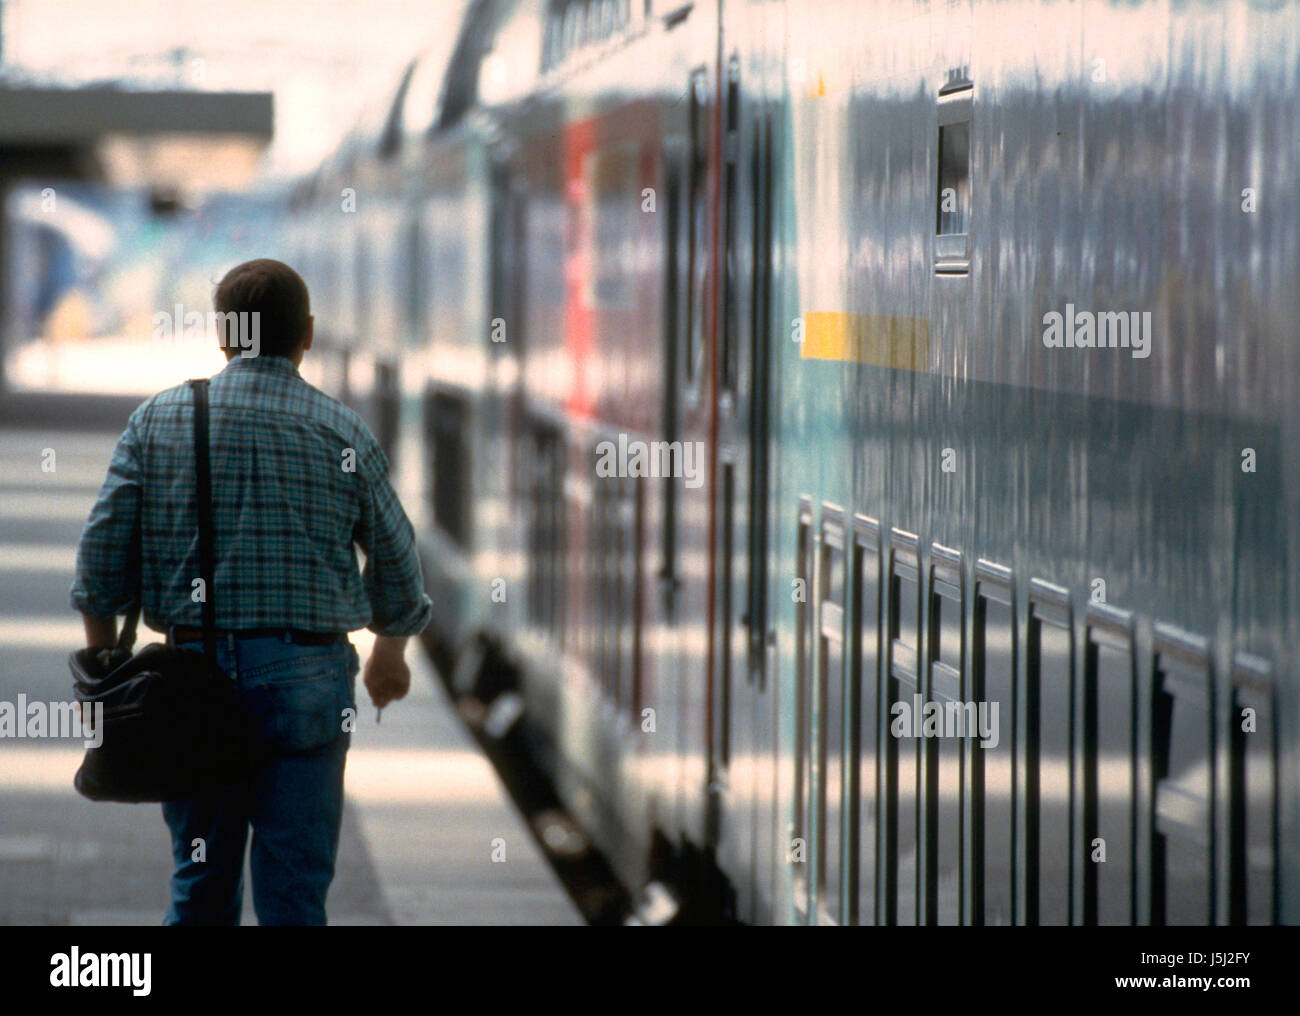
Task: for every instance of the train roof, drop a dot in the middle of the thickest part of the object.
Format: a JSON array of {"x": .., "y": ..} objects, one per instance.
[
  {"x": 503, "y": 50},
  {"x": 506, "y": 49}
]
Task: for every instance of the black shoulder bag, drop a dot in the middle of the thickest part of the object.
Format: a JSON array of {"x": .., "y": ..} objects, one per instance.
[{"x": 172, "y": 724}]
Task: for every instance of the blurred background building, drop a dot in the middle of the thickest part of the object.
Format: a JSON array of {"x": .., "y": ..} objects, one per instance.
[{"x": 116, "y": 206}]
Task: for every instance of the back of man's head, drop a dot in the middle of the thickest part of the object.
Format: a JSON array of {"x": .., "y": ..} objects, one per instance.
[{"x": 276, "y": 294}]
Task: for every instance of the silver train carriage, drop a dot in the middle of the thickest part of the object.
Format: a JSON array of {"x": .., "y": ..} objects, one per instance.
[{"x": 855, "y": 432}]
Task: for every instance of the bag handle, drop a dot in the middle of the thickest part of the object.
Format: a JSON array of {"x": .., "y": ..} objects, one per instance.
[{"x": 207, "y": 542}]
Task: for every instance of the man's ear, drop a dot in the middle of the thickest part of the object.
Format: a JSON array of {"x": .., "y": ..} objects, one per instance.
[{"x": 309, "y": 333}]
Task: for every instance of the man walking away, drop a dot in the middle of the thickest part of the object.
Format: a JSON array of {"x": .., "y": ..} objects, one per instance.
[{"x": 297, "y": 479}]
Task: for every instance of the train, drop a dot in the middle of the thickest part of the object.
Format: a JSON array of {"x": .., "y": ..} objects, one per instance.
[{"x": 854, "y": 435}]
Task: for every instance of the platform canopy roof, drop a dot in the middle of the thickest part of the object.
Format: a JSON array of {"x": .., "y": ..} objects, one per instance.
[{"x": 184, "y": 140}]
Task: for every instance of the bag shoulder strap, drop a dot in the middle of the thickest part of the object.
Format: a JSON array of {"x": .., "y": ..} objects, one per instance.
[{"x": 203, "y": 504}]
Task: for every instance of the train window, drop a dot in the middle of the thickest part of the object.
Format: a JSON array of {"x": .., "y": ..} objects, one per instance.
[
  {"x": 1049, "y": 776},
  {"x": 546, "y": 529},
  {"x": 903, "y": 757},
  {"x": 760, "y": 258},
  {"x": 574, "y": 24},
  {"x": 830, "y": 711},
  {"x": 1254, "y": 792},
  {"x": 579, "y": 634},
  {"x": 1109, "y": 768},
  {"x": 557, "y": 555},
  {"x": 907, "y": 618},
  {"x": 726, "y": 599},
  {"x": 993, "y": 662},
  {"x": 631, "y": 523},
  {"x": 954, "y": 179},
  {"x": 503, "y": 266},
  {"x": 943, "y": 797},
  {"x": 953, "y": 189},
  {"x": 447, "y": 416},
  {"x": 760, "y": 397},
  {"x": 362, "y": 291},
  {"x": 1184, "y": 771},
  {"x": 607, "y": 565},
  {"x": 803, "y": 707},
  {"x": 698, "y": 211},
  {"x": 616, "y": 16},
  {"x": 622, "y": 522},
  {"x": 730, "y": 280},
  {"x": 553, "y": 49},
  {"x": 674, "y": 286},
  {"x": 864, "y": 721},
  {"x": 387, "y": 401},
  {"x": 573, "y": 27},
  {"x": 415, "y": 295},
  {"x": 533, "y": 482},
  {"x": 600, "y": 567}
]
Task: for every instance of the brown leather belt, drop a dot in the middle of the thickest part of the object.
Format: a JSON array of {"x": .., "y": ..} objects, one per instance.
[{"x": 181, "y": 633}]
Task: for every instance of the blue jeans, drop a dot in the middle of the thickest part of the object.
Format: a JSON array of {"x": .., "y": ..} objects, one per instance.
[{"x": 294, "y": 803}]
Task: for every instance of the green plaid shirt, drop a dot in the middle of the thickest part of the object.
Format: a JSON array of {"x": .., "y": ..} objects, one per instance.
[{"x": 297, "y": 479}]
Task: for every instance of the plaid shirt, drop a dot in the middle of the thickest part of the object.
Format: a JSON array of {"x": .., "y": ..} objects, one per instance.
[{"x": 297, "y": 478}]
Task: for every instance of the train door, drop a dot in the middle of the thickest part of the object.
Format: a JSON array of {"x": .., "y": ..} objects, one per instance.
[
  {"x": 504, "y": 488},
  {"x": 727, "y": 777},
  {"x": 740, "y": 638},
  {"x": 687, "y": 527},
  {"x": 667, "y": 679},
  {"x": 754, "y": 253},
  {"x": 694, "y": 426}
]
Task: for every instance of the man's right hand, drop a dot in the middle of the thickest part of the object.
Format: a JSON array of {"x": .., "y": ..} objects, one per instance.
[{"x": 387, "y": 677}]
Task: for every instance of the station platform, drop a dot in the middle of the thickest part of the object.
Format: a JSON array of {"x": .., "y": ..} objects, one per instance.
[{"x": 430, "y": 836}]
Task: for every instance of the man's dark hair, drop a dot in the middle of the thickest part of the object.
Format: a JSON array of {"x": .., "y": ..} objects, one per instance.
[{"x": 275, "y": 292}]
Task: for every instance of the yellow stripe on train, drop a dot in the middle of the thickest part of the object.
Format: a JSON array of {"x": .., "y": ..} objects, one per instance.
[{"x": 875, "y": 339}]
